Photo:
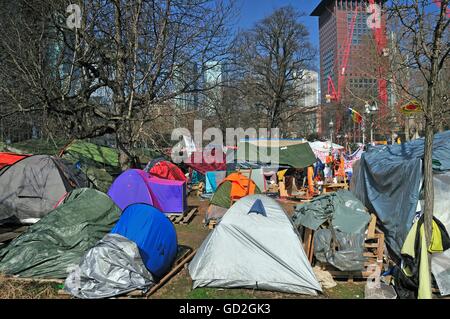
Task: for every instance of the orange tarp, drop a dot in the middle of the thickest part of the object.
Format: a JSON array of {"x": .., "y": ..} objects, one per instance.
[{"x": 241, "y": 185}]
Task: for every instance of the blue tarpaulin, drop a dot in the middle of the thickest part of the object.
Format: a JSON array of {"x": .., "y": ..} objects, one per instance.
[
  {"x": 388, "y": 179},
  {"x": 153, "y": 233}
]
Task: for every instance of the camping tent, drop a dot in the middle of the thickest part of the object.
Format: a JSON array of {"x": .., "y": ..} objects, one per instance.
[
  {"x": 136, "y": 186},
  {"x": 233, "y": 187},
  {"x": 8, "y": 159},
  {"x": 255, "y": 246},
  {"x": 59, "y": 240},
  {"x": 295, "y": 153},
  {"x": 32, "y": 187},
  {"x": 140, "y": 249},
  {"x": 213, "y": 180},
  {"x": 165, "y": 170}
]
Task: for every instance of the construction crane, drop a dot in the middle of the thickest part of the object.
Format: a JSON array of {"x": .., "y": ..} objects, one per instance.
[{"x": 335, "y": 93}]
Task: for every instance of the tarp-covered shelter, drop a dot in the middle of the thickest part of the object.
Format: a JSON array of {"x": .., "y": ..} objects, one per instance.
[
  {"x": 99, "y": 163},
  {"x": 388, "y": 179},
  {"x": 346, "y": 220},
  {"x": 140, "y": 249},
  {"x": 32, "y": 187},
  {"x": 49, "y": 248},
  {"x": 136, "y": 186},
  {"x": 295, "y": 153},
  {"x": 255, "y": 246}
]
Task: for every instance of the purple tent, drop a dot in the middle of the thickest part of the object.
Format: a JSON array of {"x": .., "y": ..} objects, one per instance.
[
  {"x": 168, "y": 195},
  {"x": 136, "y": 186},
  {"x": 130, "y": 188}
]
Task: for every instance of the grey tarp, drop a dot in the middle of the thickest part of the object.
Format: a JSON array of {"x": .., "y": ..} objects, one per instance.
[
  {"x": 59, "y": 240},
  {"x": 387, "y": 180},
  {"x": 113, "y": 267},
  {"x": 256, "y": 251},
  {"x": 32, "y": 187},
  {"x": 349, "y": 220}
]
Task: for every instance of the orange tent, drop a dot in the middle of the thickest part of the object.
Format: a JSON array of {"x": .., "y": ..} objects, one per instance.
[{"x": 241, "y": 185}]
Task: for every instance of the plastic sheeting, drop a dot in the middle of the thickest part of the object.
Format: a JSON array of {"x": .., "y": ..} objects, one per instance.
[
  {"x": 113, "y": 267},
  {"x": 349, "y": 221},
  {"x": 387, "y": 179},
  {"x": 254, "y": 251},
  {"x": 60, "y": 239},
  {"x": 349, "y": 256},
  {"x": 440, "y": 263}
]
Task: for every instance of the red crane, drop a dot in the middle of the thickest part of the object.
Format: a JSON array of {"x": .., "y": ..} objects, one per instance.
[{"x": 335, "y": 93}]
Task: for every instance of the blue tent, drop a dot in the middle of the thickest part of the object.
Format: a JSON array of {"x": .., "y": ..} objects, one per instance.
[
  {"x": 388, "y": 180},
  {"x": 153, "y": 233}
]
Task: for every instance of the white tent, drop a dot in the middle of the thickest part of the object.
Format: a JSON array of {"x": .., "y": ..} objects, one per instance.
[{"x": 255, "y": 246}]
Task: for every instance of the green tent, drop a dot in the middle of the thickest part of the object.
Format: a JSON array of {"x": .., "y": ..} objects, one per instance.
[
  {"x": 222, "y": 196},
  {"x": 296, "y": 154},
  {"x": 60, "y": 239}
]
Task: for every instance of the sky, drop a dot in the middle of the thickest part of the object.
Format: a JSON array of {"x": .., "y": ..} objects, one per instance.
[{"x": 254, "y": 10}]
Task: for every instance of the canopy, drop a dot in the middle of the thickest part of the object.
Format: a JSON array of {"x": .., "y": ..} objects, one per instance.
[
  {"x": 255, "y": 246},
  {"x": 276, "y": 152}
]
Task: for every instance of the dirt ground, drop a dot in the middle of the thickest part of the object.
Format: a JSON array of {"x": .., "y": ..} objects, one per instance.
[{"x": 180, "y": 286}]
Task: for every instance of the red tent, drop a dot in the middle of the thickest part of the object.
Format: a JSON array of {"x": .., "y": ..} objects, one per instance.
[
  {"x": 167, "y": 170},
  {"x": 204, "y": 162},
  {"x": 7, "y": 159}
]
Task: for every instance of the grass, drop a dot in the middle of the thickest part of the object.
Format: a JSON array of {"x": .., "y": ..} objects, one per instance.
[{"x": 14, "y": 289}]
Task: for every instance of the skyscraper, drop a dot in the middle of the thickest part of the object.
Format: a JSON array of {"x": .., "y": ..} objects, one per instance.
[{"x": 352, "y": 63}]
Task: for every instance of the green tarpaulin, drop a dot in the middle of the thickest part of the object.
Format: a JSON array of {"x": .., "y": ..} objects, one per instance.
[
  {"x": 58, "y": 241},
  {"x": 296, "y": 155},
  {"x": 93, "y": 152}
]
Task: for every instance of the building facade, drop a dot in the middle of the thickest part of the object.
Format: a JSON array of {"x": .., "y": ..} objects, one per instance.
[{"x": 348, "y": 54}]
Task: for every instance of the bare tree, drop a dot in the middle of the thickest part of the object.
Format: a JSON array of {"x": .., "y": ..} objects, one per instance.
[
  {"x": 423, "y": 40},
  {"x": 274, "y": 55},
  {"x": 127, "y": 61}
]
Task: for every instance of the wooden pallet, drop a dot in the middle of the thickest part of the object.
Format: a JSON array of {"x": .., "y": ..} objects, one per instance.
[{"x": 184, "y": 218}]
